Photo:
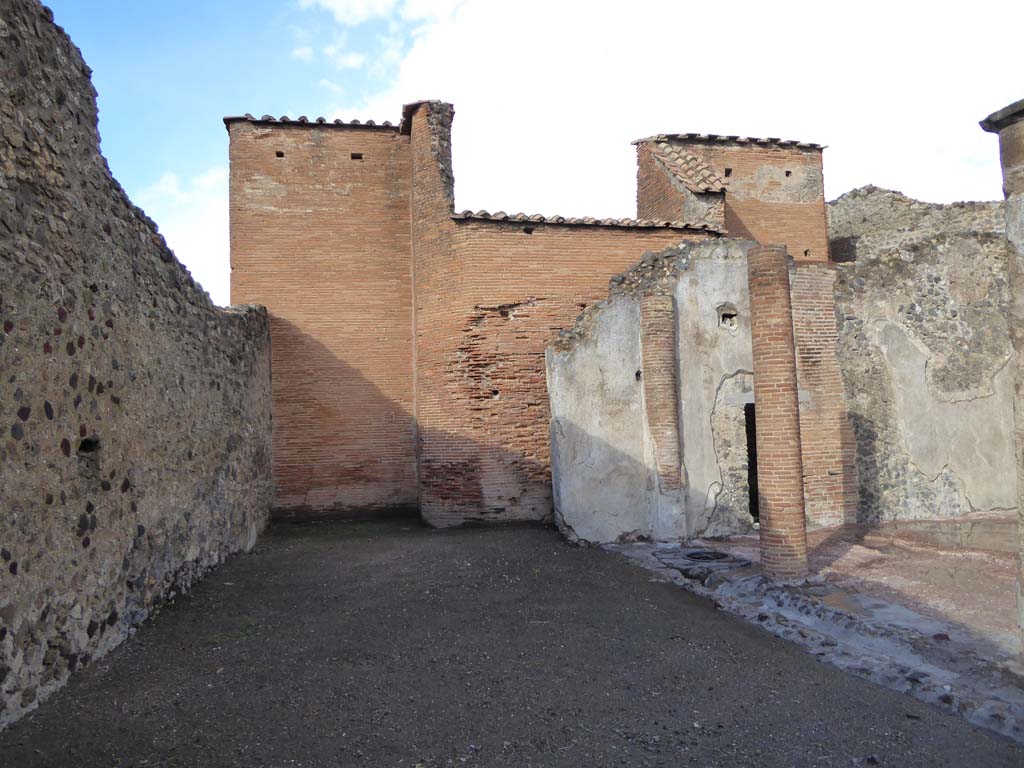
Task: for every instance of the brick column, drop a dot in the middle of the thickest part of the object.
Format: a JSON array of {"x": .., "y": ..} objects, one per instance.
[
  {"x": 1008, "y": 123},
  {"x": 779, "y": 469}
]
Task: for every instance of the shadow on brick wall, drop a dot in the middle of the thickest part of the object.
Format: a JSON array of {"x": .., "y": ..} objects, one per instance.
[{"x": 345, "y": 448}]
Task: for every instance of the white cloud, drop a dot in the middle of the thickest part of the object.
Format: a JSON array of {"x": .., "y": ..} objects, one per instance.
[
  {"x": 193, "y": 218},
  {"x": 353, "y": 12},
  {"x": 549, "y": 94},
  {"x": 388, "y": 57},
  {"x": 303, "y": 53},
  {"x": 333, "y": 87},
  {"x": 341, "y": 56},
  {"x": 418, "y": 10},
  {"x": 345, "y": 59}
]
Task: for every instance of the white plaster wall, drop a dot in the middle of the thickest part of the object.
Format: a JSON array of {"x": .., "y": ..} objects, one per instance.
[
  {"x": 603, "y": 470},
  {"x": 972, "y": 438},
  {"x": 708, "y": 354},
  {"x": 603, "y": 473}
]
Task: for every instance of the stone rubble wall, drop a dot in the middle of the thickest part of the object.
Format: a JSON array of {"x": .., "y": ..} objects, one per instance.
[
  {"x": 921, "y": 303},
  {"x": 135, "y": 416}
]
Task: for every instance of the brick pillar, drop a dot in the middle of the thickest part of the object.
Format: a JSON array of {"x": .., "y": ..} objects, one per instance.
[
  {"x": 779, "y": 469},
  {"x": 1008, "y": 123}
]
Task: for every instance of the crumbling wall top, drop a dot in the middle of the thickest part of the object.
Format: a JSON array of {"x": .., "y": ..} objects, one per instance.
[{"x": 655, "y": 271}]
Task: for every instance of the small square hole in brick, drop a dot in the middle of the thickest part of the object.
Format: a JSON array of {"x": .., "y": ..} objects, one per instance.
[
  {"x": 279, "y": 153},
  {"x": 357, "y": 155},
  {"x": 728, "y": 172}
]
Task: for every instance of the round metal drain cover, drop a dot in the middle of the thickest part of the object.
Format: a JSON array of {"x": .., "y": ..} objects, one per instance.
[{"x": 704, "y": 555}]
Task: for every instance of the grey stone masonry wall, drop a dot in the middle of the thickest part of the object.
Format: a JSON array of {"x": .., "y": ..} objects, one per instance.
[
  {"x": 872, "y": 218},
  {"x": 924, "y": 348},
  {"x": 134, "y": 414}
]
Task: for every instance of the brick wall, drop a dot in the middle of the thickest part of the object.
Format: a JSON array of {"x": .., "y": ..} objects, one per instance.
[
  {"x": 659, "y": 196},
  {"x": 490, "y": 295},
  {"x": 408, "y": 342},
  {"x": 320, "y": 234},
  {"x": 481, "y": 396},
  {"x": 779, "y": 474},
  {"x": 765, "y": 204},
  {"x": 656, "y": 196},
  {"x": 828, "y": 447},
  {"x": 449, "y": 461}
]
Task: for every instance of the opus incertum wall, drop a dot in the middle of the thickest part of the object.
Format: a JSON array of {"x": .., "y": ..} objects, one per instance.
[
  {"x": 134, "y": 414},
  {"x": 921, "y": 298}
]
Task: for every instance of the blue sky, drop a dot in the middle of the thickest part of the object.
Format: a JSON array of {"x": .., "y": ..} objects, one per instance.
[
  {"x": 548, "y": 93},
  {"x": 167, "y": 73}
]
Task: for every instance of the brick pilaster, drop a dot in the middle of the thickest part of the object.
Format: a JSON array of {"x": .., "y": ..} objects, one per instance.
[
  {"x": 826, "y": 438},
  {"x": 658, "y": 350}
]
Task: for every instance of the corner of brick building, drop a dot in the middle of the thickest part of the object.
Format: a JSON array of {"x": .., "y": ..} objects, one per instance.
[
  {"x": 774, "y": 192},
  {"x": 656, "y": 197},
  {"x": 667, "y": 193},
  {"x": 320, "y": 235}
]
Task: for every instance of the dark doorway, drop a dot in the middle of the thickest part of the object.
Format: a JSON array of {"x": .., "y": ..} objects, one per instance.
[{"x": 750, "y": 424}]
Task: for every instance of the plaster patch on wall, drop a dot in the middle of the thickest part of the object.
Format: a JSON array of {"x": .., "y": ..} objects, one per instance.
[
  {"x": 710, "y": 355},
  {"x": 770, "y": 184},
  {"x": 260, "y": 185},
  {"x": 605, "y": 476},
  {"x": 602, "y": 469}
]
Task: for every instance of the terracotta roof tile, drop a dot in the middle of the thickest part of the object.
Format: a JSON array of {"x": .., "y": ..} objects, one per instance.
[
  {"x": 584, "y": 221},
  {"x": 714, "y": 138},
  {"x": 688, "y": 169},
  {"x": 303, "y": 120}
]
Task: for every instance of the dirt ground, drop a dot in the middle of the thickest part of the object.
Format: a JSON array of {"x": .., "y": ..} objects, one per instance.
[{"x": 388, "y": 644}]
